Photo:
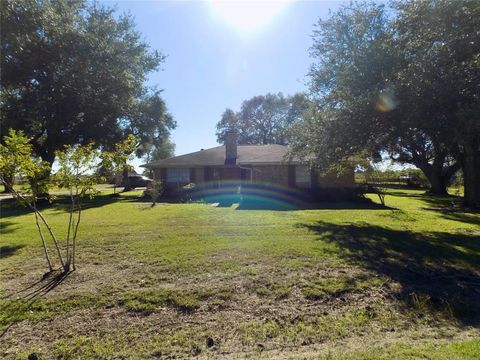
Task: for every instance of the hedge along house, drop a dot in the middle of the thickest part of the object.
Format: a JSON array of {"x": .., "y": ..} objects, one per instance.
[{"x": 240, "y": 167}]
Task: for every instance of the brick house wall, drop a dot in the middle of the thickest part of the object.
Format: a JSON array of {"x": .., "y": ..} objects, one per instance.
[
  {"x": 274, "y": 174},
  {"x": 283, "y": 175}
]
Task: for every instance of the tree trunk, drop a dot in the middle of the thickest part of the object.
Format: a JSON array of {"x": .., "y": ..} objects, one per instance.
[
  {"x": 441, "y": 176},
  {"x": 75, "y": 234},
  {"x": 47, "y": 155},
  {"x": 49, "y": 263},
  {"x": 435, "y": 178},
  {"x": 10, "y": 180},
  {"x": 126, "y": 182},
  {"x": 471, "y": 173},
  {"x": 437, "y": 174},
  {"x": 438, "y": 184}
]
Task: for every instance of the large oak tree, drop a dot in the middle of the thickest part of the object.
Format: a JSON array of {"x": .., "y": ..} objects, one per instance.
[
  {"x": 263, "y": 119},
  {"x": 74, "y": 72},
  {"x": 440, "y": 77},
  {"x": 400, "y": 82}
]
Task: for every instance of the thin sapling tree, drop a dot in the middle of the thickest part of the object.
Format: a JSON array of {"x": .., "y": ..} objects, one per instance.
[
  {"x": 76, "y": 173},
  {"x": 16, "y": 160}
]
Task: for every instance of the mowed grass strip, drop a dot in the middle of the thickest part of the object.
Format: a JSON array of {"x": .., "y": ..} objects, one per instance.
[{"x": 249, "y": 280}]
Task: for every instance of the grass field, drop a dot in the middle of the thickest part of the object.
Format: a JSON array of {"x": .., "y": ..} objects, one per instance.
[{"x": 349, "y": 281}]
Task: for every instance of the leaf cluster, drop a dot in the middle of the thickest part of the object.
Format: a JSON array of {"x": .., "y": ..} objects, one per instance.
[
  {"x": 117, "y": 161},
  {"x": 76, "y": 172},
  {"x": 74, "y": 72},
  {"x": 402, "y": 79},
  {"x": 263, "y": 119},
  {"x": 16, "y": 160}
]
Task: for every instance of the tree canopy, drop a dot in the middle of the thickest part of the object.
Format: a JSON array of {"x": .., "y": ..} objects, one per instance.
[
  {"x": 263, "y": 119},
  {"x": 402, "y": 80},
  {"x": 74, "y": 72}
]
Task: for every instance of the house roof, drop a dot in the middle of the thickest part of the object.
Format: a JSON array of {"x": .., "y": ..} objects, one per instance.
[{"x": 246, "y": 155}]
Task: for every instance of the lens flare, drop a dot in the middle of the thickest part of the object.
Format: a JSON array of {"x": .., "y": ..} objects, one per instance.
[
  {"x": 250, "y": 195},
  {"x": 386, "y": 101}
]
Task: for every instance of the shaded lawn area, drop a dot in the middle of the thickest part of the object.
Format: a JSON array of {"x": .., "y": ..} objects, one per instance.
[{"x": 339, "y": 280}]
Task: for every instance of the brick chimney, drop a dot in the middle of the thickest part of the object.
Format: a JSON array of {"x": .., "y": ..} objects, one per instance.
[{"x": 230, "y": 148}]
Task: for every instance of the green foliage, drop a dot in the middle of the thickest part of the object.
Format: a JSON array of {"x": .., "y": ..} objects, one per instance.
[
  {"x": 264, "y": 119},
  {"x": 16, "y": 159},
  {"x": 152, "y": 125},
  {"x": 117, "y": 161},
  {"x": 15, "y": 154},
  {"x": 351, "y": 58},
  {"x": 77, "y": 173},
  {"x": 399, "y": 81},
  {"x": 161, "y": 151},
  {"x": 76, "y": 170},
  {"x": 74, "y": 72},
  {"x": 155, "y": 191}
]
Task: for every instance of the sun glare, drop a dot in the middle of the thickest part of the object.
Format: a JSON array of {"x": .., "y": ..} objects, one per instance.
[{"x": 247, "y": 16}]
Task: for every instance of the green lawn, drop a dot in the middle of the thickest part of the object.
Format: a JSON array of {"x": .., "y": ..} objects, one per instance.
[
  {"x": 350, "y": 281},
  {"x": 16, "y": 187}
]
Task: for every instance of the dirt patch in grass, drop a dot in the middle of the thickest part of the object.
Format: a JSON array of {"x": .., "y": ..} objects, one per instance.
[
  {"x": 259, "y": 309},
  {"x": 238, "y": 327}
]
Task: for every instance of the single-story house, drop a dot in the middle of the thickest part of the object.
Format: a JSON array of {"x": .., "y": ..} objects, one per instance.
[{"x": 244, "y": 164}]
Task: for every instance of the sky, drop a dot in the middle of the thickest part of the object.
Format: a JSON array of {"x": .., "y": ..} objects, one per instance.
[{"x": 221, "y": 53}]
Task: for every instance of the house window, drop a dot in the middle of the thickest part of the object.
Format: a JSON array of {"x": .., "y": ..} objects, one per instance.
[
  {"x": 302, "y": 177},
  {"x": 178, "y": 176}
]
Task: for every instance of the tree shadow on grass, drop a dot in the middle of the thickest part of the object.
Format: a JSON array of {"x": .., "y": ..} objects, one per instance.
[
  {"x": 282, "y": 203},
  {"x": 267, "y": 204},
  {"x": 7, "y": 250},
  {"x": 11, "y": 208},
  {"x": 462, "y": 217},
  {"x": 7, "y": 227},
  {"x": 441, "y": 267},
  {"x": 43, "y": 286},
  {"x": 18, "y": 309},
  {"x": 449, "y": 206},
  {"x": 431, "y": 200}
]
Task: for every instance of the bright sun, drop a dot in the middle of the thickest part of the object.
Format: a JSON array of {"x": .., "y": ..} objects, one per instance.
[{"x": 247, "y": 16}]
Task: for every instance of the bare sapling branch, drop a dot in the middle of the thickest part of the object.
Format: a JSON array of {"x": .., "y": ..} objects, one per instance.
[
  {"x": 49, "y": 263},
  {"x": 74, "y": 241},
  {"x": 77, "y": 167},
  {"x": 70, "y": 221},
  {"x": 38, "y": 214}
]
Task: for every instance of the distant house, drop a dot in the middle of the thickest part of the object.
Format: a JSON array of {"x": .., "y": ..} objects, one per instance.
[{"x": 244, "y": 164}]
